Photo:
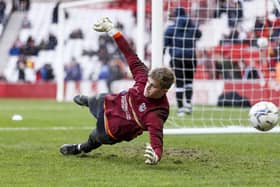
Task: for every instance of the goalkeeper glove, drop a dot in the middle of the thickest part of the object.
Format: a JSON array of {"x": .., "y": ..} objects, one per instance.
[
  {"x": 103, "y": 25},
  {"x": 150, "y": 155}
]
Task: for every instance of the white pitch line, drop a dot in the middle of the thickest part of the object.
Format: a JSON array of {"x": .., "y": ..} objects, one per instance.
[
  {"x": 211, "y": 130},
  {"x": 218, "y": 130},
  {"x": 44, "y": 128}
]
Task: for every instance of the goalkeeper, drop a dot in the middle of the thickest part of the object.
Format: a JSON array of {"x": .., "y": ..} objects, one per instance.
[{"x": 124, "y": 116}]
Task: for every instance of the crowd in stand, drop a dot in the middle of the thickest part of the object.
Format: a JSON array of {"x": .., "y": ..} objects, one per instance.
[
  {"x": 21, "y": 5},
  {"x": 26, "y": 50},
  {"x": 112, "y": 66},
  {"x": 240, "y": 55}
]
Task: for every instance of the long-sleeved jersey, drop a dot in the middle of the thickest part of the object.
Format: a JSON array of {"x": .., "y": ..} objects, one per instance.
[{"x": 129, "y": 113}]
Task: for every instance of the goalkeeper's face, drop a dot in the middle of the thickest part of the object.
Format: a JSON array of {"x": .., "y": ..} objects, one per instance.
[{"x": 153, "y": 89}]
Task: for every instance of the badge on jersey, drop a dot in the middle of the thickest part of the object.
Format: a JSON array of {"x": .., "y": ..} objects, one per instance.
[{"x": 142, "y": 107}]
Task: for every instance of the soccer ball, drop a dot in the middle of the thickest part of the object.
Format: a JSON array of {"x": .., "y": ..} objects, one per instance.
[{"x": 263, "y": 116}]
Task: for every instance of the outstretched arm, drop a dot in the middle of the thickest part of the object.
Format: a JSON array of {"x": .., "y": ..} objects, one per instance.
[
  {"x": 154, "y": 122},
  {"x": 138, "y": 68}
]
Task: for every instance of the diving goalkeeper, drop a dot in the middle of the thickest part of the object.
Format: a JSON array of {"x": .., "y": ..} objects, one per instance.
[{"x": 124, "y": 116}]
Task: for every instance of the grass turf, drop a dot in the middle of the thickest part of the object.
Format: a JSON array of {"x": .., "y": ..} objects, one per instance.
[{"x": 30, "y": 157}]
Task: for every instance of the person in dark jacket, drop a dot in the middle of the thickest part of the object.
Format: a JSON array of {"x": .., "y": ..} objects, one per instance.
[
  {"x": 124, "y": 116},
  {"x": 181, "y": 38}
]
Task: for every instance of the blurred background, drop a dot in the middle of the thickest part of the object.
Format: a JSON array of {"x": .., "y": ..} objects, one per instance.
[{"x": 238, "y": 51}]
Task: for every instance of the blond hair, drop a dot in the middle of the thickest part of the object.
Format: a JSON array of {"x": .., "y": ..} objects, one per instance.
[{"x": 164, "y": 76}]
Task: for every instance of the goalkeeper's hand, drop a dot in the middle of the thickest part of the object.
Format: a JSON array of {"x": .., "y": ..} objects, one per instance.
[
  {"x": 103, "y": 25},
  {"x": 150, "y": 155}
]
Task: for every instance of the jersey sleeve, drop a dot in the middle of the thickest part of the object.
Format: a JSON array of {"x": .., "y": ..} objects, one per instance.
[
  {"x": 155, "y": 127},
  {"x": 138, "y": 69}
]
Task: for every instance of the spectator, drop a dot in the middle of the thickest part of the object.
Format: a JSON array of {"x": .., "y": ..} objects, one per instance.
[
  {"x": 262, "y": 27},
  {"x": 46, "y": 72},
  {"x": 116, "y": 72},
  {"x": 276, "y": 12},
  {"x": 224, "y": 67},
  {"x": 181, "y": 38},
  {"x": 21, "y": 65},
  {"x": 30, "y": 48},
  {"x": 52, "y": 43},
  {"x": 236, "y": 73},
  {"x": 21, "y": 5},
  {"x": 104, "y": 72},
  {"x": 275, "y": 32},
  {"x": 73, "y": 71},
  {"x": 107, "y": 43},
  {"x": 55, "y": 13},
  {"x": 25, "y": 4},
  {"x": 206, "y": 58},
  {"x": 26, "y": 24},
  {"x": 251, "y": 40},
  {"x": 235, "y": 13},
  {"x": 221, "y": 8},
  {"x": 106, "y": 50},
  {"x": 16, "y": 48},
  {"x": 251, "y": 72},
  {"x": 232, "y": 38},
  {"x": 2, "y": 10},
  {"x": 77, "y": 34},
  {"x": 30, "y": 74},
  {"x": 2, "y": 77}
]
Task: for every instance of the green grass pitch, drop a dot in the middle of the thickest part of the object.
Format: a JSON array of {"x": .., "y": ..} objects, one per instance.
[{"x": 29, "y": 153}]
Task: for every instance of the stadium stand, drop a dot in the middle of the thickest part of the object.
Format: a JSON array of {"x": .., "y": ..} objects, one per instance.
[
  {"x": 78, "y": 37},
  {"x": 244, "y": 48},
  {"x": 40, "y": 26},
  {"x": 28, "y": 39}
]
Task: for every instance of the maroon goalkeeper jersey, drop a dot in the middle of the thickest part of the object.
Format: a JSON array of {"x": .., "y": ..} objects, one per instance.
[{"x": 129, "y": 113}]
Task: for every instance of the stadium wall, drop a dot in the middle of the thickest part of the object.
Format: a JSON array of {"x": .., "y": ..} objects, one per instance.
[
  {"x": 28, "y": 90},
  {"x": 206, "y": 92}
]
